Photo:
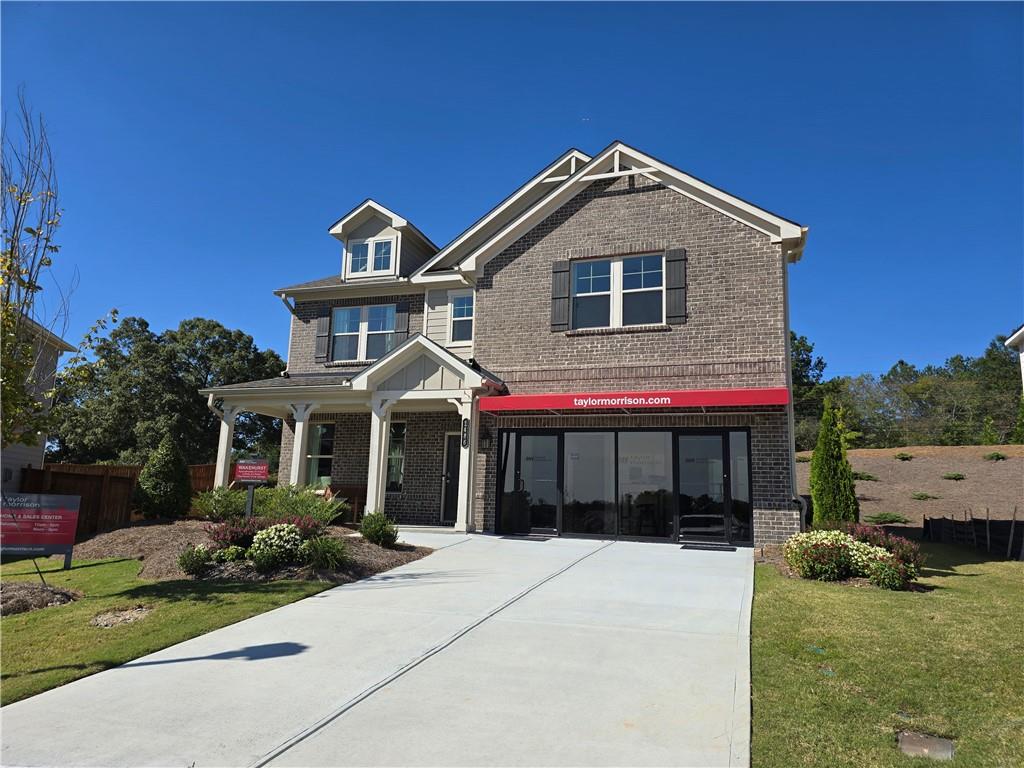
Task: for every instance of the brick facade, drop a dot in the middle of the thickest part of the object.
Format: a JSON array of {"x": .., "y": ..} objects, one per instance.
[{"x": 734, "y": 335}]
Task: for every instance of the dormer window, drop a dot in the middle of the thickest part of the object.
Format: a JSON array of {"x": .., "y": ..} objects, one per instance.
[{"x": 370, "y": 257}]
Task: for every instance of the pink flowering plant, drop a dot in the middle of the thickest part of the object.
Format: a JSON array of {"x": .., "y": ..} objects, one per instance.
[{"x": 833, "y": 555}]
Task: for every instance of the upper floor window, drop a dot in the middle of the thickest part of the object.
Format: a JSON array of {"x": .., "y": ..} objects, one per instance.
[
  {"x": 370, "y": 257},
  {"x": 612, "y": 293},
  {"x": 461, "y": 329},
  {"x": 363, "y": 333}
]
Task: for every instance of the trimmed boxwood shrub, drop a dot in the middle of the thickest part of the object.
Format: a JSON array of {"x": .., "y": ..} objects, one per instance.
[
  {"x": 229, "y": 554},
  {"x": 194, "y": 559},
  {"x": 378, "y": 529},
  {"x": 164, "y": 488}
]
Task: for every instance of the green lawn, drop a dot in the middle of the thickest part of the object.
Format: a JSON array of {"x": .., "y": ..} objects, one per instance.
[
  {"x": 837, "y": 670},
  {"x": 52, "y": 646}
]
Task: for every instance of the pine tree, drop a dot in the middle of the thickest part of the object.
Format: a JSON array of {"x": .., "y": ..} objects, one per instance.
[
  {"x": 833, "y": 494},
  {"x": 164, "y": 488},
  {"x": 1018, "y": 429}
]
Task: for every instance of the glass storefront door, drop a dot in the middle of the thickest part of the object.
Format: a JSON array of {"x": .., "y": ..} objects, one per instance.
[
  {"x": 701, "y": 487},
  {"x": 645, "y": 484},
  {"x": 530, "y": 492}
]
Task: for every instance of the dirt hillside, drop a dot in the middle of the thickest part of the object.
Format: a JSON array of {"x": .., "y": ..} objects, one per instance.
[{"x": 997, "y": 485}]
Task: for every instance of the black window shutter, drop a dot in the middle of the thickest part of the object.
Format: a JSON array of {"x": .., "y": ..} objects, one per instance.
[
  {"x": 323, "y": 336},
  {"x": 560, "y": 296},
  {"x": 675, "y": 286},
  {"x": 401, "y": 321}
]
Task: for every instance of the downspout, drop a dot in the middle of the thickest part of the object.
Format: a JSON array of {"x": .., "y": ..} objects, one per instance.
[{"x": 790, "y": 411}]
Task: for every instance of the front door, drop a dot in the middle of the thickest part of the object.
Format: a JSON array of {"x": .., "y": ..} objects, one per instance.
[
  {"x": 450, "y": 491},
  {"x": 702, "y": 492},
  {"x": 530, "y": 496}
]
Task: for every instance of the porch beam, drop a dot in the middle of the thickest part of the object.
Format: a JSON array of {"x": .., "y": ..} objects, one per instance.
[{"x": 301, "y": 413}]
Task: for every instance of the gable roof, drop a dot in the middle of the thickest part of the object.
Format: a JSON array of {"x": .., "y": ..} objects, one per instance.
[
  {"x": 46, "y": 336},
  {"x": 1016, "y": 339},
  {"x": 369, "y": 208},
  {"x": 412, "y": 348},
  {"x": 529, "y": 193},
  {"x": 619, "y": 159}
]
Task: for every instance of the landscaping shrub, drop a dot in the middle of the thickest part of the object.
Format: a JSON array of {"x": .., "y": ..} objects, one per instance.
[
  {"x": 323, "y": 553},
  {"x": 821, "y": 555},
  {"x": 219, "y": 504},
  {"x": 286, "y": 501},
  {"x": 274, "y": 546},
  {"x": 908, "y": 552},
  {"x": 901, "y": 456},
  {"x": 194, "y": 559},
  {"x": 803, "y": 459},
  {"x": 164, "y": 488},
  {"x": 378, "y": 529},
  {"x": 863, "y": 557},
  {"x": 953, "y": 476},
  {"x": 865, "y": 476},
  {"x": 240, "y": 531},
  {"x": 994, "y": 456},
  {"x": 919, "y": 496},
  {"x": 886, "y": 518},
  {"x": 229, "y": 554},
  {"x": 833, "y": 495},
  {"x": 889, "y": 573}
]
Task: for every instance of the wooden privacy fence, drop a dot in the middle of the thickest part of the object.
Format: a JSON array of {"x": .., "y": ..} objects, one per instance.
[
  {"x": 106, "y": 490},
  {"x": 1002, "y": 539}
]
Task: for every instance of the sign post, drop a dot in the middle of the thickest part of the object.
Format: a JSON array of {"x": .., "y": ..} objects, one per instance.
[
  {"x": 250, "y": 473},
  {"x": 35, "y": 524}
]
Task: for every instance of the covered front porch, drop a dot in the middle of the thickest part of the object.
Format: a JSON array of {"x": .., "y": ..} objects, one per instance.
[{"x": 405, "y": 426}]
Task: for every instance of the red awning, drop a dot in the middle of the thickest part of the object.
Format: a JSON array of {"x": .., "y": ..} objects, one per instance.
[{"x": 591, "y": 401}]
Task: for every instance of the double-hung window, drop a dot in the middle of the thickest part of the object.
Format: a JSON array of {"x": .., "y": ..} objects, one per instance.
[
  {"x": 363, "y": 333},
  {"x": 319, "y": 454},
  {"x": 461, "y": 317},
  {"x": 621, "y": 292},
  {"x": 370, "y": 257}
]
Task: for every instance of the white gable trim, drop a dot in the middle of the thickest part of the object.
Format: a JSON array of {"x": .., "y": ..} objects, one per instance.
[
  {"x": 397, "y": 222},
  {"x": 406, "y": 352},
  {"x": 609, "y": 163},
  {"x": 576, "y": 160}
]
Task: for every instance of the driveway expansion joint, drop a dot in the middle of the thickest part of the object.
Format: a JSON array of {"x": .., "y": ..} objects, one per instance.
[{"x": 347, "y": 705}]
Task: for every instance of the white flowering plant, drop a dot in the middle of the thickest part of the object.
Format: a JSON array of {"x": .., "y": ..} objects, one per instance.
[{"x": 275, "y": 546}]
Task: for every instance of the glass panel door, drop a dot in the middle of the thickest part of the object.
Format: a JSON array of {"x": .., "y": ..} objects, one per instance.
[
  {"x": 538, "y": 480},
  {"x": 701, "y": 487},
  {"x": 588, "y": 501},
  {"x": 645, "y": 484}
]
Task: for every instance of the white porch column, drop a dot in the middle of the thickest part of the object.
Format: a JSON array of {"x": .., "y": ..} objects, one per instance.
[
  {"x": 301, "y": 412},
  {"x": 376, "y": 477},
  {"x": 469, "y": 420},
  {"x": 222, "y": 474}
]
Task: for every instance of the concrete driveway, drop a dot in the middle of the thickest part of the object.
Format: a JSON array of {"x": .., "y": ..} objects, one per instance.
[{"x": 490, "y": 651}]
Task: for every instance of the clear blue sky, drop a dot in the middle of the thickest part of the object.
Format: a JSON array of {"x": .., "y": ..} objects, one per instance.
[{"x": 204, "y": 149}]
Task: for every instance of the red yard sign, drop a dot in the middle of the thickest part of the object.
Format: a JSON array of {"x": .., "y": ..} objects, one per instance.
[
  {"x": 252, "y": 470},
  {"x": 38, "y": 524}
]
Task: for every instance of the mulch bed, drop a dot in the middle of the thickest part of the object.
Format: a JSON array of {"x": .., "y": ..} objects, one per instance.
[
  {"x": 158, "y": 544},
  {"x": 771, "y": 554},
  {"x": 23, "y": 596}
]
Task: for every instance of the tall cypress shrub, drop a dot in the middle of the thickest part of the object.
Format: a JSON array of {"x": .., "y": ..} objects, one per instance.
[
  {"x": 833, "y": 494},
  {"x": 164, "y": 488}
]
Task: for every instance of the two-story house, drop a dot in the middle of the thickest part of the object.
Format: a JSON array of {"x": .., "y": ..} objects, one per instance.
[{"x": 605, "y": 353}]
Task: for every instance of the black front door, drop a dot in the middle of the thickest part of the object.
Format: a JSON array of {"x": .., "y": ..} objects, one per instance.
[
  {"x": 450, "y": 493},
  {"x": 530, "y": 493}
]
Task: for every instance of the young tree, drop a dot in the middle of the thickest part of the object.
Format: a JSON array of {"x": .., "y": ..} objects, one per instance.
[
  {"x": 833, "y": 494},
  {"x": 1018, "y": 429},
  {"x": 30, "y": 217},
  {"x": 164, "y": 488}
]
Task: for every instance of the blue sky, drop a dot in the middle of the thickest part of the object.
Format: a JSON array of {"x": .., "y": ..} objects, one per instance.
[{"x": 204, "y": 149}]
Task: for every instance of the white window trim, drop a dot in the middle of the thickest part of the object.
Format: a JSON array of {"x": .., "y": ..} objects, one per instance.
[
  {"x": 616, "y": 291},
  {"x": 364, "y": 332},
  {"x": 452, "y": 295},
  {"x": 370, "y": 245},
  {"x": 311, "y": 456}
]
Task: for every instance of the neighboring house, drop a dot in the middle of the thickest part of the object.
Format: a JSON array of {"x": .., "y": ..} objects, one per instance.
[
  {"x": 605, "y": 353},
  {"x": 1016, "y": 341},
  {"x": 48, "y": 348}
]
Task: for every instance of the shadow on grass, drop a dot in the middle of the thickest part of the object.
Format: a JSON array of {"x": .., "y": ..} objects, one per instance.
[
  {"x": 943, "y": 560},
  {"x": 205, "y": 591}
]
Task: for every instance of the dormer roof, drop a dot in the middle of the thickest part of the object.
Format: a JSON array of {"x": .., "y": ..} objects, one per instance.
[{"x": 369, "y": 209}]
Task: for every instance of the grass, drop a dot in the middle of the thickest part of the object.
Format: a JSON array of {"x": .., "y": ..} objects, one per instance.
[
  {"x": 954, "y": 476},
  {"x": 920, "y": 496},
  {"x": 839, "y": 670},
  {"x": 864, "y": 476},
  {"x": 994, "y": 456},
  {"x": 886, "y": 518},
  {"x": 903, "y": 456},
  {"x": 49, "y": 647}
]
